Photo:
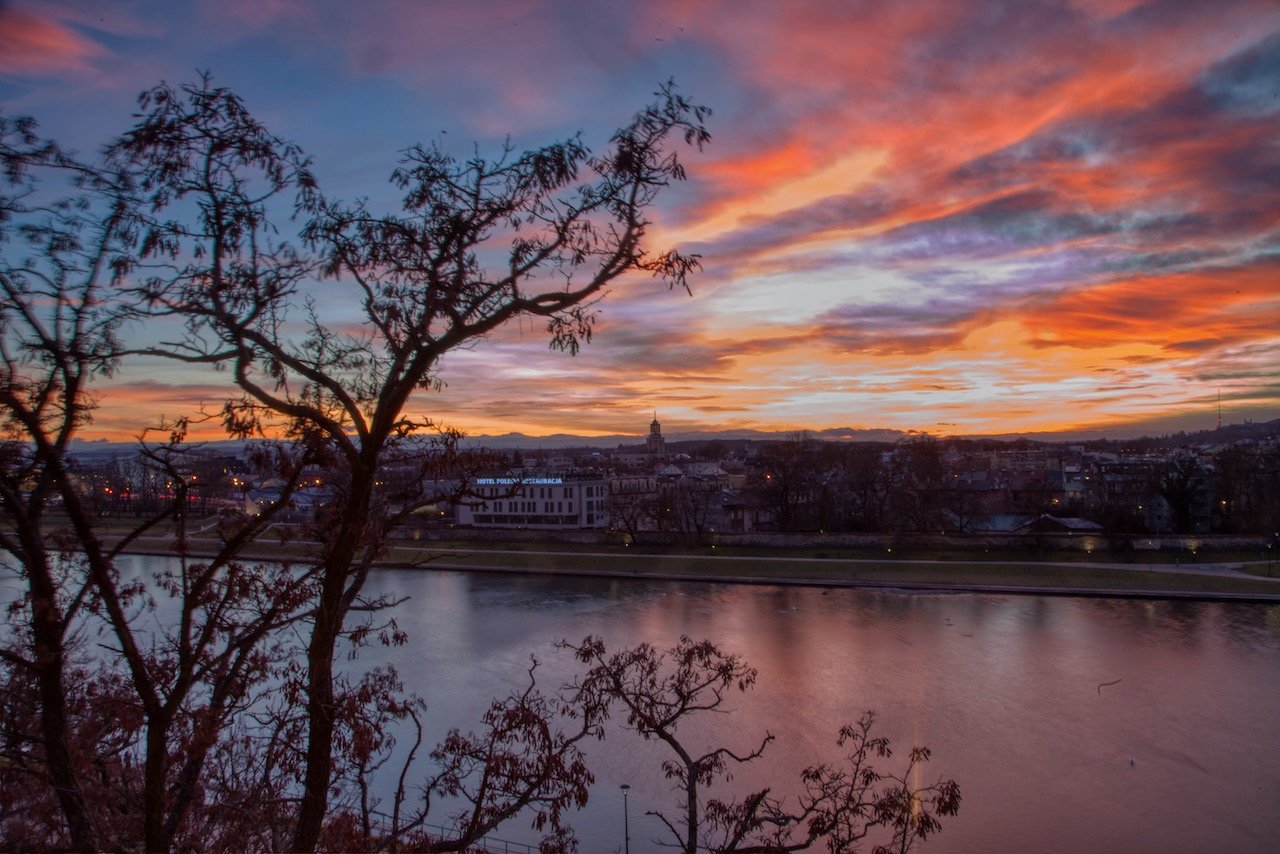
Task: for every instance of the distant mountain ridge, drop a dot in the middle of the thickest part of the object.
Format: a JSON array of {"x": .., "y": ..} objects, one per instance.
[
  {"x": 563, "y": 441},
  {"x": 1225, "y": 433},
  {"x": 568, "y": 440}
]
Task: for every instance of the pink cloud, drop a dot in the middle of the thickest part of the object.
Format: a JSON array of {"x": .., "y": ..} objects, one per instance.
[
  {"x": 939, "y": 84},
  {"x": 32, "y": 44}
]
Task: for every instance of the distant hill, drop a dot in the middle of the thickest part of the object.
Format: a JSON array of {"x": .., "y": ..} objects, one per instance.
[
  {"x": 560, "y": 441},
  {"x": 1227, "y": 433},
  {"x": 1248, "y": 430}
]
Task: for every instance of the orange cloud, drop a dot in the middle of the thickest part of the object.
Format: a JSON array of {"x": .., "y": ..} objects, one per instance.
[
  {"x": 911, "y": 214},
  {"x": 125, "y": 407},
  {"x": 1179, "y": 313}
]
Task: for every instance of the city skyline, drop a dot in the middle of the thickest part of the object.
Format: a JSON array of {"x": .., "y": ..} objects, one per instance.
[{"x": 960, "y": 218}]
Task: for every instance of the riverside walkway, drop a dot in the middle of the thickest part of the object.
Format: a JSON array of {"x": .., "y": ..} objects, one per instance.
[{"x": 1210, "y": 580}]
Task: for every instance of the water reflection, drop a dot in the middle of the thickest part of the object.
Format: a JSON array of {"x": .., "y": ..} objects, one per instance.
[
  {"x": 1035, "y": 704},
  {"x": 1007, "y": 690}
]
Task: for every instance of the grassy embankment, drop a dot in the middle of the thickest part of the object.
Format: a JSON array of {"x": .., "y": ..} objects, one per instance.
[
  {"x": 841, "y": 570},
  {"x": 1156, "y": 572}
]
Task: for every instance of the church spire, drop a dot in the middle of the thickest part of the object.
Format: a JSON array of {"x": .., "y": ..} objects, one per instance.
[{"x": 655, "y": 444}]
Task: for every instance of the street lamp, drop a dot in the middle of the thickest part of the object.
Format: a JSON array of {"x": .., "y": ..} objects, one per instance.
[{"x": 626, "y": 819}]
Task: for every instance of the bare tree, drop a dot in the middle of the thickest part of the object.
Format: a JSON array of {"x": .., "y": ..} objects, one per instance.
[
  {"x": 183, "y": 730},
  {"x": 526, "y": 758},
  {"x": 660, "y": 690},
  {"x": 1183, "y": 482},
  {"x": 143, "y": 732},
  {"x": 54, "y": 340},
  {"x": 692, "y": 503},
  {"x": 479, "y": 243},
  {"x": 633, "y": 506},
  {"x": 838, "y": 805},
  {"x": 787, "y": 481},
  {"x": 870, "y": 488},
  {"x": 917, "y": 474}
]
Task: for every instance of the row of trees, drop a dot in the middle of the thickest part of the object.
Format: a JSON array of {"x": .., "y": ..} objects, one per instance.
[
  {"x": 922, "y": 485},
  {"x": 201, "y": 706}
]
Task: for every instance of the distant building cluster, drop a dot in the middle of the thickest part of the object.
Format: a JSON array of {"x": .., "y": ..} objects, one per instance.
[{"x": 1223, "y": 481}]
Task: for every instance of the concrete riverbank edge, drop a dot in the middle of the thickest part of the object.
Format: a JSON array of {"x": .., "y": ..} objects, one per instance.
[
  {"x": 886, "y": 586},
  {"x": 789, "y": 572}
]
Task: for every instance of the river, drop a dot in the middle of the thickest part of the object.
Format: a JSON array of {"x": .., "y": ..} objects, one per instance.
[
  {"x": 1007, "y": 690},
  {"x": 1035, "y": 705}
]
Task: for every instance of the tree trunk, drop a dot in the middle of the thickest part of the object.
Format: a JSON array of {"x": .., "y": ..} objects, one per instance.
[
  {"x": 50, "y": 662},
  {"x": 320, "y": 712},
  {"x": 155, "y": 839},
  {"x": 691, "y": 807},
  {"x": 331, "y": 613}
]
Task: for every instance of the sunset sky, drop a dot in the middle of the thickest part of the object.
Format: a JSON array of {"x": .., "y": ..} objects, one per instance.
[{"x": 956, "y": 217}]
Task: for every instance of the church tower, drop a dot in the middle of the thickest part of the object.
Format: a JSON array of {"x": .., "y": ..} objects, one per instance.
[{"x": 655, "y": 444}]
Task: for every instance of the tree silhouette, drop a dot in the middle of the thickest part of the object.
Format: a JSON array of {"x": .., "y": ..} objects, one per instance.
[
  {"x": 1183, "y": 482},
  {"x": 477, "y": 244},
  {"x": 839, "y": 804},
  {"x": 218, "y": 725},
  {"x": 144, "y": 731},
  {"x": 660, "y": 690}
]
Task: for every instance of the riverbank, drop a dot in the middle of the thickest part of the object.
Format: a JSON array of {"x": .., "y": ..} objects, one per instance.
[{"x": 1216, "y": 581}]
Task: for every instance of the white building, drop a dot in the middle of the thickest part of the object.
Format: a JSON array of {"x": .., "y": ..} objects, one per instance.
[{"x": 538, "y": 502}]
